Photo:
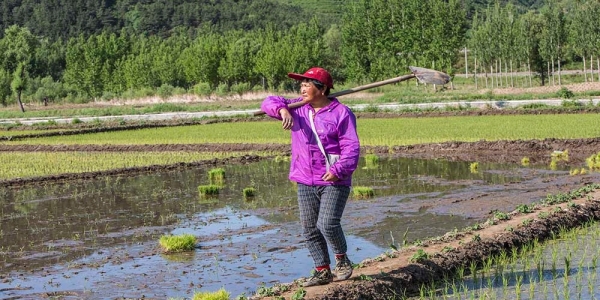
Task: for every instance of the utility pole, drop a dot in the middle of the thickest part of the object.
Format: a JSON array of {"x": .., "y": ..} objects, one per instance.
[{"x": 466, "y": 64}]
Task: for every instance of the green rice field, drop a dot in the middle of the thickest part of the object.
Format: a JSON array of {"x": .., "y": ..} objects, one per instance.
[
  {"x": 389, "y": 131},
  {"x": 30, "y": 164}
]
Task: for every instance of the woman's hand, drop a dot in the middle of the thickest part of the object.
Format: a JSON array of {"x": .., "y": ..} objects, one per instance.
[
  {"x": 329, "y": 177},
  {"x": 287, "y": 120}
]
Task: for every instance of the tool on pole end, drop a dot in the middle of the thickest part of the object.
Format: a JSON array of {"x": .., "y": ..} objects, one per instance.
[{"x": 430, "y": 76}]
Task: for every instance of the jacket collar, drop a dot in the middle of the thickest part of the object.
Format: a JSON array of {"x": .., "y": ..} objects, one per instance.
[{"x": 333, "y": 104}]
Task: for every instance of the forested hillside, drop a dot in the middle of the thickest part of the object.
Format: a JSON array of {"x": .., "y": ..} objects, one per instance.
[
  {"x": 164, "y": 47},
  {"x": 70, "y": 18}
]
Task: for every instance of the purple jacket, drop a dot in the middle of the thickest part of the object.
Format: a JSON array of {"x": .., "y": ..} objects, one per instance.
[{"x": 336, "y": 126}]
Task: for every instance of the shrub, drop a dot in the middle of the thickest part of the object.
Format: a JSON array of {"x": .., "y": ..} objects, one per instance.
[
  {"x": 144, "y": 92},
  {"x": 165, "y": 91},
  {"x": 128, "y": 94},
  {"x": 106, "y": 96},
  {"x": 177, "y": 243},
  {"x": 202, "y": 89},
  {"x": 565, "y": 93},
  {"x": 240, "y": 88},
  {"x": 179, "y": 91},
  {"x": 257, "y": 88},
  {"x": 222, "y": 89}
]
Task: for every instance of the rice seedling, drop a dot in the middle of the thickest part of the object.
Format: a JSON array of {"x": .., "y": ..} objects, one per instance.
[
  {"x": 525, "y": 209},
  {"x": 543, "y": 215},
  {"x": 474, "y": 167},
  {"x": 593, "y": 162},
  {"x": 249, "y": 193},
  {"x": 525, "y": 161},
  {"x": 177, "y": 243},
  {"x": 501, "y": 215},
  {"x": 559, "y": 268},
  {"x": 221, "y": 294},
  {"x": 216, "y": 176},
  {"x": 419, "y": 256},
  {"x": 553, "y": 165},
  {"x": 560, "y": 155},
  {"x": 299, "y": 294},
  {"x": 362, "y": 192},
  {"x": 209, "y": 190},
  {"x": 371, "y": 161}
]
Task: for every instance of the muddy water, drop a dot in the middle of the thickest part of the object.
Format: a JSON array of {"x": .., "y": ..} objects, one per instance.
[{"x": 98, "y": 238}]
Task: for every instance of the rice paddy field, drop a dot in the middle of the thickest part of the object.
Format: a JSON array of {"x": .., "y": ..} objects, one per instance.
[
  {"x": 373, "y": 132},
  {"x": 430, "y": 184}
]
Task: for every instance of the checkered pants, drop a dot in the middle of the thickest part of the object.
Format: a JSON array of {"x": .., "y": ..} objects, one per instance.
[{"x": 321, "y": 208}]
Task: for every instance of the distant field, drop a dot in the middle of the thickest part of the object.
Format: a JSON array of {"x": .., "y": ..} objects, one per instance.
[
  {"x": 30, "y": 164},
  {"x": 390, "y": 131}
]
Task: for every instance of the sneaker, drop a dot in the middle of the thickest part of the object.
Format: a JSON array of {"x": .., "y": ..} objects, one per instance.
[
  {"x": 343, "y": 268},
  {"x": 319, "y": 278}
]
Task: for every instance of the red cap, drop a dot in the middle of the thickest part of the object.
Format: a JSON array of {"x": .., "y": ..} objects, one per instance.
[{"x": 316, "y": 73}]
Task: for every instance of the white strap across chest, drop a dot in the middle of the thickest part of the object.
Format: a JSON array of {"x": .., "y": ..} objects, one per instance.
[{"x": 312, "y": 125}]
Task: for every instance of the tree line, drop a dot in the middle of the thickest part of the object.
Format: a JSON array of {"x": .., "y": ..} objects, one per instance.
[
  {"x": 502, "y": 40},
  {"x": 373, "y": 40}
]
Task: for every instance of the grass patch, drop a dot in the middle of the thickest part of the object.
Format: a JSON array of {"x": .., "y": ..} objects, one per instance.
[{"x": 177, "y": 243}]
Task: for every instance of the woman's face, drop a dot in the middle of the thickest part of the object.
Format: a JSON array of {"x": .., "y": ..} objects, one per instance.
[{"x": 309, "y": 91}]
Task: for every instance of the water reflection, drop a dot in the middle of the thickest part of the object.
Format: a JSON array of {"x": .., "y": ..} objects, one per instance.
[{"x": 62, "y": 223}]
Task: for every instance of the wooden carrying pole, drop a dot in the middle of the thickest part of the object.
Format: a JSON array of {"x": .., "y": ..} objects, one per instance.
[{"x": 422, "y": 74}]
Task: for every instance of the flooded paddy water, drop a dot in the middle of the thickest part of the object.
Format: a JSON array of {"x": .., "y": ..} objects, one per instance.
[
  {"x": 563, "y": 268},
  {"x": 99, "y": 238}
]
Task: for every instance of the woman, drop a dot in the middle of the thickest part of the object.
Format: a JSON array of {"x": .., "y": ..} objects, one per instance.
[{"x": 322, "y": 167}]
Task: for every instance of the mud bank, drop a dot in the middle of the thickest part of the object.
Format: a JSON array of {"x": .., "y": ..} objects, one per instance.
[
  {"x": 394, "y": 278},
  {"x": 538, "y": 151}
]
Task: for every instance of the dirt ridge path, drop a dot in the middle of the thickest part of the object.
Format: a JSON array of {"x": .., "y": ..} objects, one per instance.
[{"x": 387, "y": 277}]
